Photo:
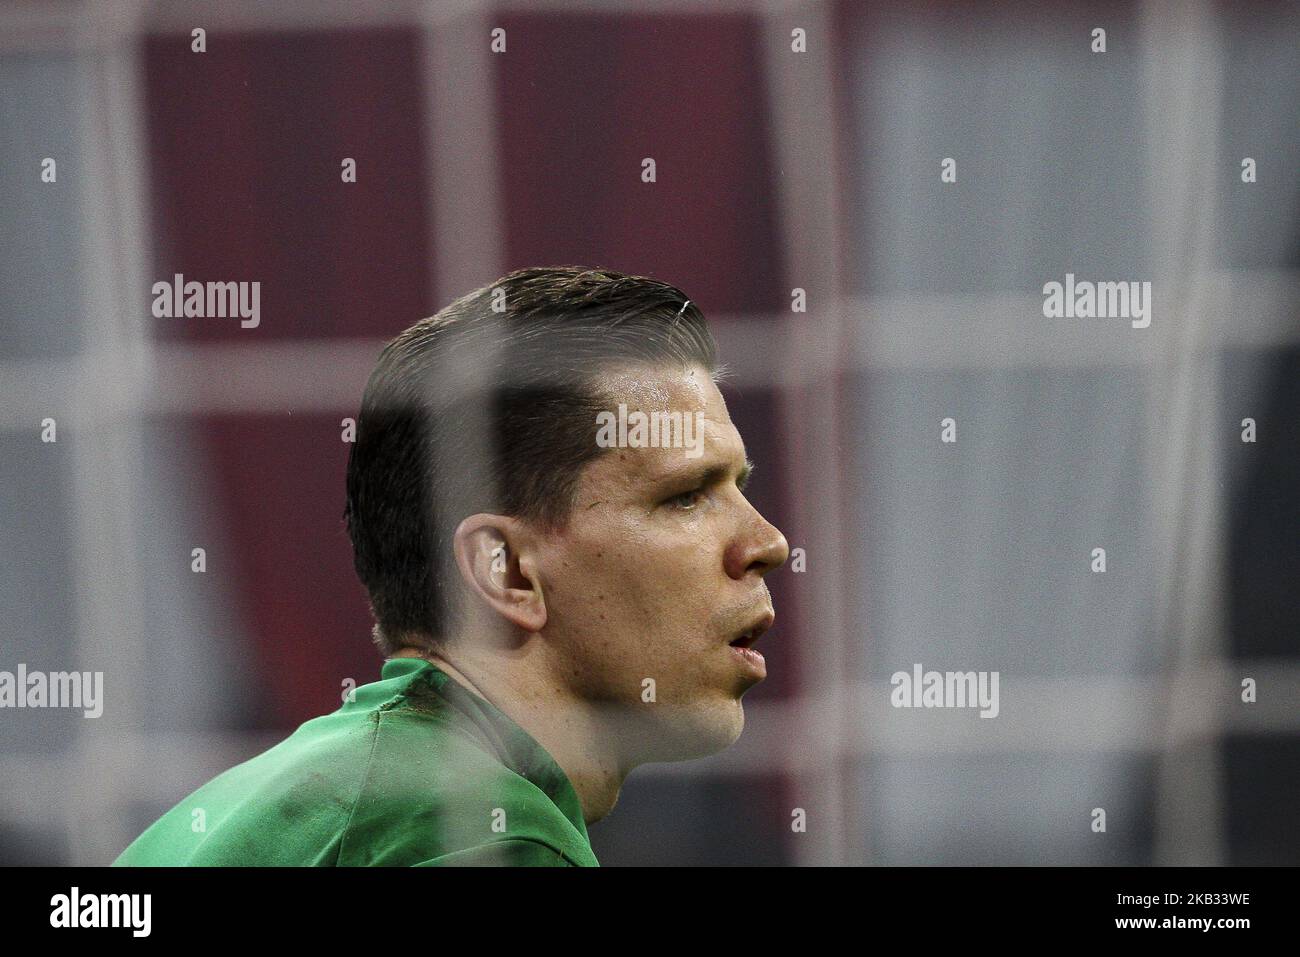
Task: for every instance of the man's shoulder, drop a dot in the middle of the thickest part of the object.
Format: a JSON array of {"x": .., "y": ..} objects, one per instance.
[
  {"x": 393, "y": 778},
  {"x": 446, "y": 798},
  {"x": 286, "y": 806}
]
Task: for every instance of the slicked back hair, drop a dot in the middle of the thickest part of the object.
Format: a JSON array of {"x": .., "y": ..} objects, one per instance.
[{"x": 490, "y": 406}]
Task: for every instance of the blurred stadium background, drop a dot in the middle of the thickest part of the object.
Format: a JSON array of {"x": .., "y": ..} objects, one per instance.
[{"x": 776, "y": 171}]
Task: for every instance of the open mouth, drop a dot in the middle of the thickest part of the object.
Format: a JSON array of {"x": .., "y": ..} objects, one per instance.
[{"x": 751, "y": 634}]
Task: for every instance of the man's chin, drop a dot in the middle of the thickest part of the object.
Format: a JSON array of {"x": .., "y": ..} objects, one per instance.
[{"x": 698, "y": 733}]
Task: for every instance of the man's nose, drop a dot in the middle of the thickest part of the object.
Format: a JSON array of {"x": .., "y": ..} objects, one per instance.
[{"x": 761, "y": 548}]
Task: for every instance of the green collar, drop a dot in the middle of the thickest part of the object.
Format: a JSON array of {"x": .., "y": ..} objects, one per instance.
[{"x": 514, "y": 746}]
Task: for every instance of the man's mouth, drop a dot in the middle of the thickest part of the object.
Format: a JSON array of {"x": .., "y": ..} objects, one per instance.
[{"x": 754, "y": 631}]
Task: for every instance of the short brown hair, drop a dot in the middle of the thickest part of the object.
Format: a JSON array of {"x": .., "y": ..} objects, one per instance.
[{"x": 490, "y": 405}]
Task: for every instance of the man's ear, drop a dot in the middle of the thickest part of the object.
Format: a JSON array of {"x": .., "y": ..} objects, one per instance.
[{"x": 494, "y": 556}]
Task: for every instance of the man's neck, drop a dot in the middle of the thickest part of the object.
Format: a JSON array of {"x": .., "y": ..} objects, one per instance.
[{"x": 567, "y": 728}]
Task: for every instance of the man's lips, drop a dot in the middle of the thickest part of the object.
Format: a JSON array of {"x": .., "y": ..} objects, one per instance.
[{"x": 754, "y": 630}]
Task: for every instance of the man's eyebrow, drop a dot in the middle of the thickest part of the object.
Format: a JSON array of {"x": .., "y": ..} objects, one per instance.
[{"x": 715, "y": 474}]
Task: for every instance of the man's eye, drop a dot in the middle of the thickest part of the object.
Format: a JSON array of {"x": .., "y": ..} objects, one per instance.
[{"x": 686, "y": 501}]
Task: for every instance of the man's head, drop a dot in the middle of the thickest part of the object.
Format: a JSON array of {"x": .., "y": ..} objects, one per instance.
[{"x": 489, "y": 513}]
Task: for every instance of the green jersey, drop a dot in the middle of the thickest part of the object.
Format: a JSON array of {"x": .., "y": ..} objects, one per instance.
[{"x": 415, "y": 769}]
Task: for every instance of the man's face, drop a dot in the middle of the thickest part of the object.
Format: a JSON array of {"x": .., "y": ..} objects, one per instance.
[{"x": 660, "y": 572}]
